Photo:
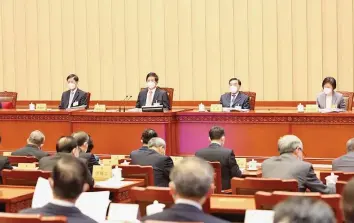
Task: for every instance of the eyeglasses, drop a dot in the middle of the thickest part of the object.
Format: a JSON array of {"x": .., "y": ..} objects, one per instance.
[{"x": 303, "y": 153}]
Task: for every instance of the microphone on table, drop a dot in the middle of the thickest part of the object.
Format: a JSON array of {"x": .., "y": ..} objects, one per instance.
[
  {"x": 123, "y": 102},
  {"x": 126, "y": 101}
]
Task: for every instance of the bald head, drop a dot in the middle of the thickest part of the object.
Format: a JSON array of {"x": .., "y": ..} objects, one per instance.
[
  {"x": 66, "y": 144},
  {"x": 36, "y": 138},
  {"x": 350, "y": 145}
]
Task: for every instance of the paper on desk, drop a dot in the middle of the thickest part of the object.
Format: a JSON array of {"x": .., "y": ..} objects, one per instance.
[
  {"x": 96, "y": 210},
  {"x": 256, "y": 216},
  {"x": 111, "y": 183},
  {"x": 123, "y": 212}
]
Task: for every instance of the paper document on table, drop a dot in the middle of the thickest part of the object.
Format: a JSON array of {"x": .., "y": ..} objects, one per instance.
[
  {"x": 42, "y": 193},
  {"x": 96, "y": 210},
  {"x": 256, "y": 216},
  {"x": 329, "y": 110},
  {"x": 123, "y": 212}
]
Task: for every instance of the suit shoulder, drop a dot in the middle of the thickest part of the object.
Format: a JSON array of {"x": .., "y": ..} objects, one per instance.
[
  {"x": 243, "y": 95},
  {"x": 339, "y": 95}
]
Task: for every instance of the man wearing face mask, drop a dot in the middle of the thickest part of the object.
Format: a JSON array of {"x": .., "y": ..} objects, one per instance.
[
  {"x": 235, "y": 98},
  {"x": 152, "y": 94},
  {"x": 329, "y": 98},
  {"x": 74, "y": 97},
  {"x": 217, "y": 153},
  {"x": 289, "y": 165}
]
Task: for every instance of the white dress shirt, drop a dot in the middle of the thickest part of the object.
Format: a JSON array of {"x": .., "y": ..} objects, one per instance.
[
  {"x": 329, "y": 101},
  {"x": 231, "y": 102},
  {"x": 62, "y": 203},
  {"x": 189, "y": 202},
  {"x": 152, "y": 97}
]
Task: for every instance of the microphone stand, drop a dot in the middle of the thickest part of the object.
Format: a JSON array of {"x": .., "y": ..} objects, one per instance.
[
  {"x": 126, "y": 101},
  {"x": 123, "y": 103}
]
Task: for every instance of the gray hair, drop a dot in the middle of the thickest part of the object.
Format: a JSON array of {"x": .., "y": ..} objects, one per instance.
[
  {"x": 156, "y": 142},
  {"x": 36, "y": 138},
  {"x": 288, "y": 144},
  {"x": 350, "y": 145},
  {"x": 192, "y": 177}
]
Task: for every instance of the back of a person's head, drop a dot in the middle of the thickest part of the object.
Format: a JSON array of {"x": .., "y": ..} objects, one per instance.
[
  {"x": 66, "y": 144},
  {"x": 81, "y": 137},
  {"x": 303, "y": 210},
  {"x": 69, "y": 177},
  {"x": 147, "y": 135},
  {"x": 350, "y": 145},
  {"x": 216, "y": 133},
  {"x": 348, "y": 201},
  {"x": 90, "y": 145},
  {"x": 288, "y": 144},
  {"x": 36, "y": 138},
  {"x": 192, "y": 178}
]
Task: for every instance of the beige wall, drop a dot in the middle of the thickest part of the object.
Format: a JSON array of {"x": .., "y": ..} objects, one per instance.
[{"x": 281, "y": 49}]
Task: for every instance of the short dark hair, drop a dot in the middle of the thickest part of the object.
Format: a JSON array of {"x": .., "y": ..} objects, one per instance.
[
  {"x": 147, "y": 135},
  {"x": 331, "y": 81},
  {"x": 152, "y": 74},
  {"x": 66, "y": 144},
  {"x": 235, "y": 79},
  {"x": 216, "y": 132},
  {"x": 348, "y": 201},
  {"x": 69, "y": 176},
  {"x": 81, "y": 137},
  {"x": 76, "y": 78},
  {"x": 89, "y": 145},
  {"x": 303, "y": 209}
]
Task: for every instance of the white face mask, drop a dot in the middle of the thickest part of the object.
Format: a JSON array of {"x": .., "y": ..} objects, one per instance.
[
  {"x": 233, "y": 89},
  {"x": 327, "y": 90},
  {"x": 71, "y": 86},
  {"x": 151, "y": 84}
]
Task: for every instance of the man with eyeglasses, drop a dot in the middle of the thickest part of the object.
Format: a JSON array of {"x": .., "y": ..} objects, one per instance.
[{"x": 290, "y": 165}]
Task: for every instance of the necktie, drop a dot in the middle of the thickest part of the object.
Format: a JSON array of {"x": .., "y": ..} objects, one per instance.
[
  {"x": 233, "y": 97},
  {"x": 71, "y": 99},
  {"x": 149, "y": 103}
]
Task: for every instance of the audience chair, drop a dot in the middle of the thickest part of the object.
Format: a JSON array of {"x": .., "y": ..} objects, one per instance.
[
  {"x": 252, "y": 98},
  {"x": 266, "y": 200},
  {"x": 217, "y": 179},
  {"x": 169, "y": 91},
  {"x": 27, "y": 218},
  {"x": 14, "y": 160},
  {"x": 23, "y": 177},
  {"x": 340, "y": 187},
  {"x": 249, "y": 186},
  {"x": 8, "y": 99},
  {"x": 146, "y": 196},
  {"x": 139, "y": 172},
  {"x": 348, "y": 98},
  {"x": 342, "y": 176}
]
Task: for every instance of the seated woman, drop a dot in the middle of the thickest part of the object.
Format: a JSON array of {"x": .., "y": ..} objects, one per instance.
[{"x": 329, "y": 98}]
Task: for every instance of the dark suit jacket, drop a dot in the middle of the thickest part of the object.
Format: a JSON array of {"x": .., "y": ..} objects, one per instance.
[
  {"x": 160, "y": 96},
  {"x": 183, "y": 213},
  {"x": 47, "y": 163},
  {"x": 241, "y": 100},
  {"x": 4, "y": 164},
  {"x": 73, "y": 214},
  {"x": 30, "y": 150},
  {"x": 80, "y": 96},
  {"x": 161, "y": 164},
  {"x": 90, "y": 158},
  {"x": 287, "y": 166},
  {"x": 226, "y": 157},
  {"x": 344, "y": 163}
]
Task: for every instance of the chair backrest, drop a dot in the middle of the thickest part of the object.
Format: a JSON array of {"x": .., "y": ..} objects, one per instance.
[
  {"x": 249, "y": 186},
  {"x": 348, "y": 98},
  {"x": 9, "y": 97},
  {"x": 342, "y": 176},
  {"x": 88, "y": 99},
  {"x": 139, "y": 172},
  {"x": 169, "y": 91},
  {"x": 252, "y": 98},
  {"x": 146, "y": 196},
  {"x": 23, "y": 177},
  {"x": 14, "y": 160},
  {"x": 340, "y": 186},
  {"x": 217, "y": 176},
  {"x": 266, "y": 200},
  {"x": 27, "y": 218}
]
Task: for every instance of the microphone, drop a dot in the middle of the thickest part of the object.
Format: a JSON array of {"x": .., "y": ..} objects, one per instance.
[
  {"x": 123, "y": 102},
  {"x": 126, "y": 101}
]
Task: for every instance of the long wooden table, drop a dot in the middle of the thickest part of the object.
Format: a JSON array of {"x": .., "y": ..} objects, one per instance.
[
  {"x": 249, "y": 134},
  {"x": 16, "y": 198}
]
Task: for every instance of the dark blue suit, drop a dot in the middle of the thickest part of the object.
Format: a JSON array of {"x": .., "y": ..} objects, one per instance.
[
  {"x": 183, "y": 213},
  {"x": 161, "y": 164},
  {"x": 160, "y": 96},
  {"x": 73, "y": 214},
  {"x": 241, "y": 100}
]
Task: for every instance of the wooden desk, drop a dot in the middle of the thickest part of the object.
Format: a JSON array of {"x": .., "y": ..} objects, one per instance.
[
  {"x": 251, "y": 173},
  {"x": 231, "y": 203},
  {"x": 16, "y": 198},
  {"x": 120, "y": 194}
]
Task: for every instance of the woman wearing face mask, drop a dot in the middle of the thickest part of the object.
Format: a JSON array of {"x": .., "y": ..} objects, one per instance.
[
  {"x": 329, "y": 99},
  {"x": 152, "y": 94},
  {"x": 235, "y": 98},
  {"x": 74, "y": 97}
]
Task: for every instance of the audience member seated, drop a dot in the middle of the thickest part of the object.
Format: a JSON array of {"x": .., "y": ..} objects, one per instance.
[
  {"x": 191, "y": 184},
  {"x": 34, "y": 146},
  {"x": 90, "y": 146},
  {"x": 68, "y": 181},
  {"x": 304, "y": 210},
  {"x": 145, "y": 138},
  {"x": 82, "y": 139},
  {"x": 4, "y": 164},
  {"x": 154, "y": 156},
  {"x": 289, "y": 165},
  {"x": 345, "y": 163},
  {"x": 66, "y": 146},
  {"x": 348, "y": 202},
  {"x": 217, "y": 153}
]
